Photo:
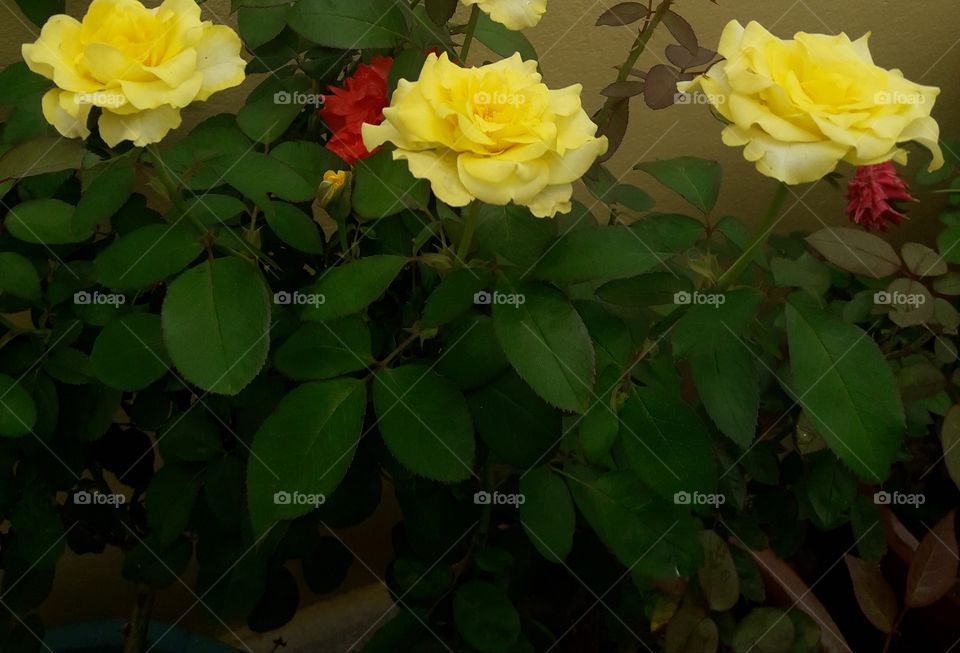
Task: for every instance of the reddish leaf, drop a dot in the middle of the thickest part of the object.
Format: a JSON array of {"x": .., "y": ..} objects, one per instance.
[
  {"x": 616, "y": 127},
  {"x": 623, "y": 14},
  {"x": 682, "y": 31},
  {"x": 873, "y": 593},
  {"x": 797, "y": 592},
  {"x": 681, "y": 57},
  {"x": 623, "y": 89},
  {"x": 660, "y": 87},
  {"x": 933, "y": 571}
]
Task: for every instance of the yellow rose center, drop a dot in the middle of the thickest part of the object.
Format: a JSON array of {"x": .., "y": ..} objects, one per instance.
[{"x": 134, "y": 30}]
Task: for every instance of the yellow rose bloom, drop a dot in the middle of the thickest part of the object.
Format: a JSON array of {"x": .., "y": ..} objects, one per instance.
[
  {"x": 801, "y": 106},
  {"x": 139, "y": 65},
  {"x": 493, "y": 133},
  {"x": 512, "y": 14}
]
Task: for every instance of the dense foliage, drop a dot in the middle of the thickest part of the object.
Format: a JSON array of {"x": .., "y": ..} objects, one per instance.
[{"x": 604, "y": 431}]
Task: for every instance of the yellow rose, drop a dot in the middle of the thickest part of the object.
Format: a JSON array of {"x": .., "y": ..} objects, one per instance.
[
  {"x": 139, "y": 65},
  {"x": 513, "y": 14},
  {"x": 493, "y": 133},
  {"x": 801, "y": 106}
]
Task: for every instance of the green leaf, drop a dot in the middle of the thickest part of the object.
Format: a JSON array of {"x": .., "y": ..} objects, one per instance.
[
  {"x": 547, "y": 513},
  {"x": 41, "y": 156},
  {"x": 807, "y": 273},
  {"x": 517, "y": 425},
  {"x": 170, "y": 498},
  {"x": 384, "y": 187},
  {"x": 259, "y": 25},
  {"x": 666, "y": 444},
  {"x": 695, "y": 180},
  {"x": 214, "y": 210},
  {"x": 605, "y": 187},
  {"x": 547, "y": 343},
  {"x": 216, "y": 318},
  {"x": 18, "y": 413},
  {"x": 718, "y": 576},
  {"x": 129, "y": 354},
  {"x": 651, "y": 536},
  {"x": 455, "y": 295},
  {"x": 485, "y": 617},
  {"x": 201, "y": 158},
  {"x": 48, "y": 222},
  {"x": 310, "y": 160},
  {"x": 867, "y": 530},
  {"x": 348, "y": 24},
  {"x": 38, "y": 530},
  {"x": 191, "y": 436},
  {"x": 503, "y": 41},
  {"x": 846, "y": 387},
  {"x": 18, "y": 82},
  {"x": 18, "y": 277},
  {"x": 617, "y": 252},
  {"x": 950, "y": 441},
  {"x": 425, "y": 422},
  {"x": 728, "y": 382},
  {"x": 40, "y": 11},
  {"x": 724, "y": 368},
  {"x": 764, "y": 630},
  {"x": 303, "y": 449},
  {"x": 102, "y": 197},
  {"x": 350, "y": 288},
  {"x": 324, "y": 351},
  {"x": 146, "y": 256},
  {"x": 258, "y": 176},
  {"x": 270, "y": 109},
  {"x": 472, "y": 355},
  {"x": 295, "y": 228},
  {"x": 830, "y": 488},
  {"x": 512, "y": 236}
]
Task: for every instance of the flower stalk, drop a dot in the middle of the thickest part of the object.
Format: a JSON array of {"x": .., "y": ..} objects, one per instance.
[{"x": 734, "y": 271}]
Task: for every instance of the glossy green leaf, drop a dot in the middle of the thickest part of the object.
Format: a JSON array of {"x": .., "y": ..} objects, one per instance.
[
  {"x": 348, "y": 24},
  {"x": 547, "y": 343},
  {"x": 147, "y": 256},
  {"x": 547, "y": 513},
  {"x": 424, "y": 422},
  {"x": 128, "y": 354},
  {"x": 303, "y": 449},
  {"x": 846, "y": 387},
  {"x": 216, "y": 320},
  {"x": 695, "y": 180},
  {"x": 350, "y": 288},
  {"x": 324, "y": 351}
]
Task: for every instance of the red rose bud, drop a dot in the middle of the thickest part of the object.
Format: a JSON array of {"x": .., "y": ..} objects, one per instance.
[
  {"x": 870, "y": 194},
  {"x": 361, "y": 100}
]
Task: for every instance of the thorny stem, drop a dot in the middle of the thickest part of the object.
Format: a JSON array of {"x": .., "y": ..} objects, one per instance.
[{"x": 635, "y": 51}]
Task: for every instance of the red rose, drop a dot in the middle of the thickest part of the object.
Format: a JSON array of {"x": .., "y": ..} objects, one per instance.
[
  {"x": 870, "y": 194},
  {"x": 361, "y": 100}
]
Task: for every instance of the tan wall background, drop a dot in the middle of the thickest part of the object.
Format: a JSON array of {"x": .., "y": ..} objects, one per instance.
[{"x": 922, "y": 37}]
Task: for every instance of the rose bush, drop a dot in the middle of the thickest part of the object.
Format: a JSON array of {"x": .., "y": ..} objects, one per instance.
[{"x": 620, "y": 428}]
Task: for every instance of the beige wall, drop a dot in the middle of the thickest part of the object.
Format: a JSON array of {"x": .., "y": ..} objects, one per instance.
[{"x": 920, "y": 37}]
